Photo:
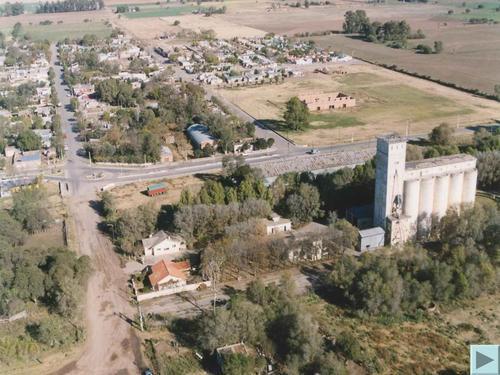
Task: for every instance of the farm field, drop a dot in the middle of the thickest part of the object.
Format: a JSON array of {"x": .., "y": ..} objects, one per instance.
[
  {"x": 154, "y": 10},
  {"x": 56, "y": 31},
  {"x": 386, "y": 102}
]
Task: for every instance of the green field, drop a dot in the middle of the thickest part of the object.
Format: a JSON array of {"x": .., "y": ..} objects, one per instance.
[
  {"x": 56, "y": 32},
  {"x": 379, "y": 101},
  {"x": 488, "y": 11},
  {"x": 157, "y": 11}
]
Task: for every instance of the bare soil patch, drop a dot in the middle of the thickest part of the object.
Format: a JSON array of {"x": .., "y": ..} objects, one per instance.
[{"x": 132, "y": 195}]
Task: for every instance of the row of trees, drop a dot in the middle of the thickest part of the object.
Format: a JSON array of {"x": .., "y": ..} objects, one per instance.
[
  {"x": 70, "y": 6},
  {"x": 12, "y": 9},
  {"x": 397, "y": 32}
]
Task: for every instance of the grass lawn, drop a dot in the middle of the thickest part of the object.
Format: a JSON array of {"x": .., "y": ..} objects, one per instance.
[
  {"x": 156, "y": 11},
  {"x": 56, "y": 32}
]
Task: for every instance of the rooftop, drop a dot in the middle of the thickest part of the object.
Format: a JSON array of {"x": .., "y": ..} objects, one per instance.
[
  {"x": 158, "y": 237},
  {"x": 376, "y": 231},
  {"x": 166, "y": 268},
  {"x": 392, "y": 138},
  {"x": 157, "y": 186},
  {"x": 199, "y": 133},
  {"x": 439, "y": 161}
]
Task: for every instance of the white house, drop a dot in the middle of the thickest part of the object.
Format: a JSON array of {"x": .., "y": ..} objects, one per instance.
[
  {"x": 162, "y": 243},
  {"x": 277, "y": 224}
]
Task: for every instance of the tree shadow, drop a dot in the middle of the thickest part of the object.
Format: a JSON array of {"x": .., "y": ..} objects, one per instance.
[
  {"x": 165, "y": 219},
  {"x": 186, "y": 331},
  {"x": 273, "y": 124}
]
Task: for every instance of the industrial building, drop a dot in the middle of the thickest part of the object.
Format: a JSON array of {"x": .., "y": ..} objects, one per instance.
[
  {"x": 410, "y": 196},
  {"x": 327, "y": 101},
  {"x": 371, "y": 239},
  {"x": 200, "y": 136}
]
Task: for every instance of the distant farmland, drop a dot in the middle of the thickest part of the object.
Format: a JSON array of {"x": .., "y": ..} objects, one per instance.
[
  {"x": 147, "y": 11},
  {"x": 59, "y": 31}
]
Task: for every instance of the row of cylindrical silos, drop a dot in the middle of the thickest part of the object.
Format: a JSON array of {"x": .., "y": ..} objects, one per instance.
[{"x": 432, "y": 196}]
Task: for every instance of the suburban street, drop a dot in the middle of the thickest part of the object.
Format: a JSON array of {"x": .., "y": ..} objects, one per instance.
[{"x": 111, "y": 345}]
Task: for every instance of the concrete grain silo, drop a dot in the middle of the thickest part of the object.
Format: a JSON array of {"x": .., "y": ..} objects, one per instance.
[{"x": 408, "y": 195}]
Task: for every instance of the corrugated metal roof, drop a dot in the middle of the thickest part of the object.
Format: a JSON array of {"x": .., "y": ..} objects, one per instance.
[
  {"x": 199, "y": 133},
  {"x": 160, "y": 185},
  {"x": 376, "y": 231}
]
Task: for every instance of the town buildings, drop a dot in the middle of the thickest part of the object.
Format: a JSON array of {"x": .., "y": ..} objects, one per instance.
[{"x": 410, "y": 196}]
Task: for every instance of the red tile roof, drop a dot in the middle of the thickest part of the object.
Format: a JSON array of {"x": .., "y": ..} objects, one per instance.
[{"x": 165, "y": 268}]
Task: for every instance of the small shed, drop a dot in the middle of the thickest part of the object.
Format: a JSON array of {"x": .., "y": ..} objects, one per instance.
[
  {"x": 370, "y": 239},
  {"x": 156, "y": 189}
]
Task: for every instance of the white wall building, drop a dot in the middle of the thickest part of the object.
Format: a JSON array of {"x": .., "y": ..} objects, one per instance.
[
  {"x": 410, "y": 195},
  {"x": 162, "y": 243},
  {"x": 277, "y": 224}
]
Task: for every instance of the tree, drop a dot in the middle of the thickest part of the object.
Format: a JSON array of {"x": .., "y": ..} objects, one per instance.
[
  {"x": 497, "y": 90},
  {"x": 354, "y": 22},
  {"x": 441, "y": 135},
  {"x": 30, "y": 209},
  {"x": 304, "y": 205},
  {"x": 438, "y": 46},
  {"x": 239, "y": 364},
  {"x": 17, "y": 30},
  {"x": 296, "y": 115},
  {"x": 413, "y": 152},
  {"x": 28, "y": 140},
  {"x": 488, "y": 169},
  {"x": 424, "y": 49}
]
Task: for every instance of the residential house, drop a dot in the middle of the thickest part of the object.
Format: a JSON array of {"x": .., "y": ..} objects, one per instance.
[
  {"x": 276, "y": 224},
  {"x": 28, "y": 160},
  {"x": 45, "y": 135},
  {"x": 307, "y": 242},
  {"x": 83, "y": 89},
  {"x": 167, "y": 275},
  {"x": 162, "y": 243}
]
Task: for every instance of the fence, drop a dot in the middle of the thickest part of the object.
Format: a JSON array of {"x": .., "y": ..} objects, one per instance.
[{"x": 170, "y": 291}]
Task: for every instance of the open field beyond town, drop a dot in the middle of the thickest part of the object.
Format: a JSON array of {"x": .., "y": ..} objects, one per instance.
[{"x": 386, "y": 102}]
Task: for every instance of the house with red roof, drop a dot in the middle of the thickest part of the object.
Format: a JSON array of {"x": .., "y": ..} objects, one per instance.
[{"x": 166, "y": 274}]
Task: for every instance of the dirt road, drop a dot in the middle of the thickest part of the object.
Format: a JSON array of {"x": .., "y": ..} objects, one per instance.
[{"x": 111, "y": 346}]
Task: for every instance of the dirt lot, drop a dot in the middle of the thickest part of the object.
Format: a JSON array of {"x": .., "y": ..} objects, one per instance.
[
  {"x": 132, "y": 195},
  {"x": 386, "y": 101}
]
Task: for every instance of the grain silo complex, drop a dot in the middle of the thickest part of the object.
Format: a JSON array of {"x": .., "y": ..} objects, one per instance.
[{"x": 410, "y": 195}]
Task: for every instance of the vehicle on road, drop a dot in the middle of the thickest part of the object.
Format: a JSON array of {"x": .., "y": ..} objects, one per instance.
[{"x": 313, "y": 151}]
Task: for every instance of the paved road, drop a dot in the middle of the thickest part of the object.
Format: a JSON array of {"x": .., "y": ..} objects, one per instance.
[{"x": 112, "y": 345}]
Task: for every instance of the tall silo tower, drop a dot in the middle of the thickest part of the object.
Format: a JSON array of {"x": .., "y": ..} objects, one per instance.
[{"x": 391, "y": 161}]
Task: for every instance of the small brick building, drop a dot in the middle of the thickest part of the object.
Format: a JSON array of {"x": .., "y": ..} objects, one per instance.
[{"x": 327, "y": 101}]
